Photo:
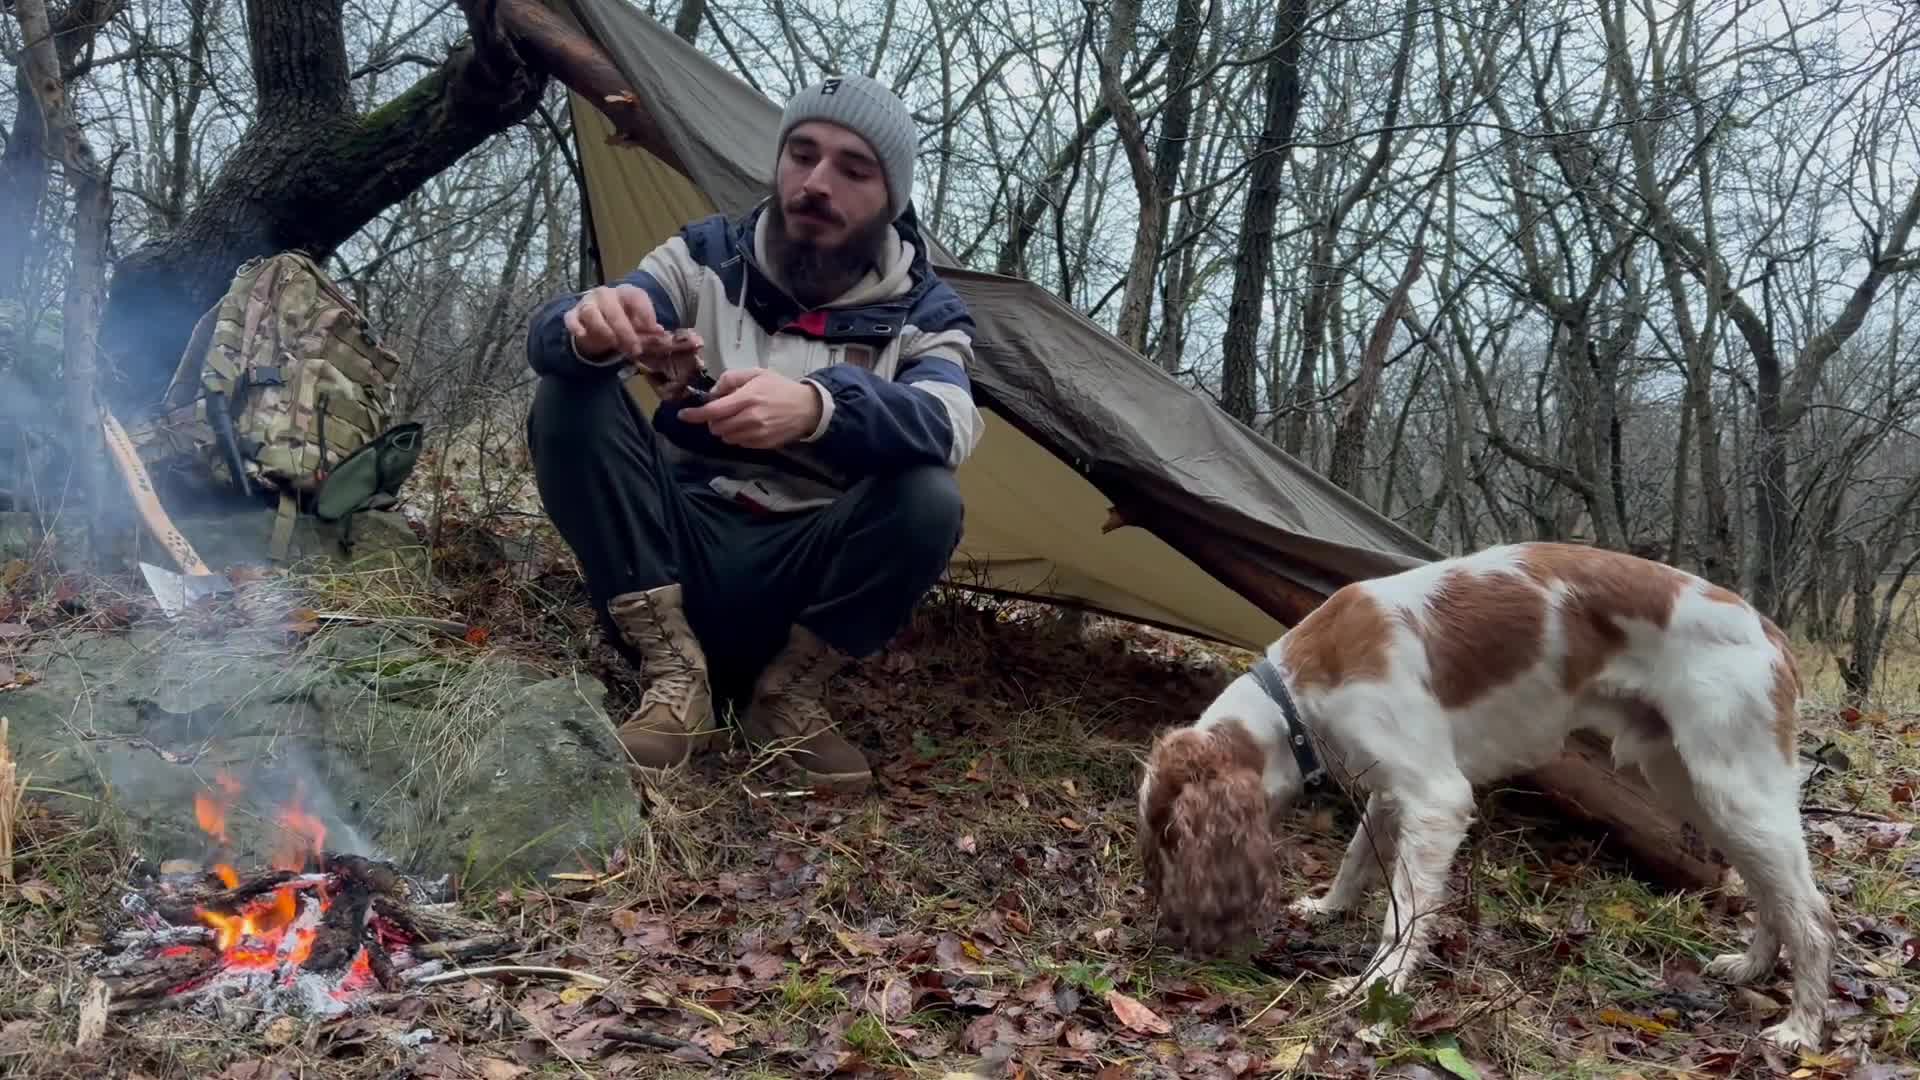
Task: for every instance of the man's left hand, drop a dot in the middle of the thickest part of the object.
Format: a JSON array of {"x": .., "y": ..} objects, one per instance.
[{"x": 758, "y": 409}]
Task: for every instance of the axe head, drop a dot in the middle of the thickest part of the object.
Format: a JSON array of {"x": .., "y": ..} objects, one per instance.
[{"x": 175, "y": 592}]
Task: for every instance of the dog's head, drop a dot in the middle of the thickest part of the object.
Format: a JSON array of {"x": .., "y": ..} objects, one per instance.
[{"x": 1206, "y": 834}]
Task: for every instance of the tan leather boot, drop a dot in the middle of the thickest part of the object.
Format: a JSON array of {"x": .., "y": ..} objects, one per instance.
[
  {"x": 789, "y": 716},
  {"x": 675, "y": 717}
]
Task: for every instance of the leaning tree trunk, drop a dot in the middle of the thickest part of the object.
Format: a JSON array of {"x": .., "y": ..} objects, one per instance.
[
  {"x": 308, "y": 173},
  {"x": 1254, "y": 252},
  {"x": 23, "y": 161}
]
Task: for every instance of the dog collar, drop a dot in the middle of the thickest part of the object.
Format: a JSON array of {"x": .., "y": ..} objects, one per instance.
[{"x": 1268, "y": 676}]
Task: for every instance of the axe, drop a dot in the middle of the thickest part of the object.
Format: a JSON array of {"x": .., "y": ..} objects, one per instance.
[{"x": 174, "y": 592}]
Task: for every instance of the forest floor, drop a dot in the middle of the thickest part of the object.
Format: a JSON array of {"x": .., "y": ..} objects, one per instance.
[{"x": 981, "y": 910}]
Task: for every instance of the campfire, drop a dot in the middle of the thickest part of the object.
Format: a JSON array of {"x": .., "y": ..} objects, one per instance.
[{"x": 315, "y": 933}]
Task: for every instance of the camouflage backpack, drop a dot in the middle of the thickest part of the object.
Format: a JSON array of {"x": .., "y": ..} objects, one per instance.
[{"x": 285, "y": 389}]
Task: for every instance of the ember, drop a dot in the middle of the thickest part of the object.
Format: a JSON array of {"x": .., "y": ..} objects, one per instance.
[{"x": 315, "y": 934}]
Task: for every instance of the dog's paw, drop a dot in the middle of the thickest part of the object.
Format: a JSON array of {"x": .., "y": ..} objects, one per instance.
[
  {"x": 1793, "y": 1034},
  {"x": 1347, "y": 986},
  {"x": 1737, "y": 968},
  {"x": 1312, "y": 908}
]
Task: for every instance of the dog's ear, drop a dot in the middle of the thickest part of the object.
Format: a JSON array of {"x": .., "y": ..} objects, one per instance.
[{"x": 1206, "y": 835}]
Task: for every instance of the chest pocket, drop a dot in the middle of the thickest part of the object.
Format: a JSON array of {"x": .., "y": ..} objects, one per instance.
[
  {"x": 878, "y": 355},
  {"x": 794, "y": 355}
]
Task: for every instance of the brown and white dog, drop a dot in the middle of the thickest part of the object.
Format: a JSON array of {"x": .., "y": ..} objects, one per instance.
[{"x": 1470, "y": 670}]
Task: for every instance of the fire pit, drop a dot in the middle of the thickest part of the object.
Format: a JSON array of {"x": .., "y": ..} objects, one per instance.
[{"x": 318, "y": 933}]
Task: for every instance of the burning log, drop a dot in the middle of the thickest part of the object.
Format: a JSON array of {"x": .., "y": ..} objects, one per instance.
[
  {"x": 149, "y": 975},
  {"x": 319, "y": 933},
  {"x": 282, "y": 941}
]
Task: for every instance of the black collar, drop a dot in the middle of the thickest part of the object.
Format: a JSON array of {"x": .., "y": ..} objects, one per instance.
[{"x": 1268, "y": 676}]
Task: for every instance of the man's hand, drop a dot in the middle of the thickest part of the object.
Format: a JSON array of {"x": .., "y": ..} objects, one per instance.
[
  {"x": 758, "y": 409},
  {"x": 620, "y": 318},
  {"x": 616, "y": 318}
]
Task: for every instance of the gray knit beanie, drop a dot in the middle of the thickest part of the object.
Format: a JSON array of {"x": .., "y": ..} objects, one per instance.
[{"x": 870, "y": 111}]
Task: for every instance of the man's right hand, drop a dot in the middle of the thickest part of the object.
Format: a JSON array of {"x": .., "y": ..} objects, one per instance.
[
  {"x": 613, "y": 318},
  {"x": 620, "y": 318}
]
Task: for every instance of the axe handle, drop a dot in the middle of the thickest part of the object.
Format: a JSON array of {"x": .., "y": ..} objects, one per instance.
[{"x": 141, "y": 488}]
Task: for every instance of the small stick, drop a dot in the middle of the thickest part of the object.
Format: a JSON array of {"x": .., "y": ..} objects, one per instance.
[
  {"x": 637, "y": 1036},
  {"x": 13, "y": 791},
  {"x": 1836, "y": 811},
  {"x": 514, "y": 969},
  {"x": 463, "y": 950}
]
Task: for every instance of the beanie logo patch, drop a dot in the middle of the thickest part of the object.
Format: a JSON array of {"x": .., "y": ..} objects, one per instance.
[{"x": 830, "y": 88}]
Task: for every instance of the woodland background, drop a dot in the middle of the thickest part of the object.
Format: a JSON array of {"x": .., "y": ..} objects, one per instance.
[{"x": 1665, "y": 252}]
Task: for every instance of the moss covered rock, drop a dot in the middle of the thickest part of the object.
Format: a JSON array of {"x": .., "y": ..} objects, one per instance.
[{"x": 442, "y": 758}]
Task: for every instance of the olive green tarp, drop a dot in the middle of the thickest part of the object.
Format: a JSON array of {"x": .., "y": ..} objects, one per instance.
[{"x": 1226, "y": 536}]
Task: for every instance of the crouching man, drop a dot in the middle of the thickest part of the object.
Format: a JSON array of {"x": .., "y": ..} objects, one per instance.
[{"x": 793, "y": 512}]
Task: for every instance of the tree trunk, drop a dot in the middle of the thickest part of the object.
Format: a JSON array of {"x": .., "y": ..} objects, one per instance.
[
  {"x": 93, "y": 207},
  {"x": 23, "y": 185},
  {"x": 1176, "y": 127},
  {"x": 1254, "y": 250},
  {"x": 23, "y": 161},
  {"x": 686, "y": 24},
  {"x": 1136, "y": 302},
  {"x": 1350, "y": 440},
  {"x": 308, "y": 173}
]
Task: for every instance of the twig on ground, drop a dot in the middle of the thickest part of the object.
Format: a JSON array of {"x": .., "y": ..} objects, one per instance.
[
  {"x": 514, "y": 969},
  {"x": 1838, "y": 811}
]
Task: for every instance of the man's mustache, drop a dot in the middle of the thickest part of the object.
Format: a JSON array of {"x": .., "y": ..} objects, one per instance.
[{"x": 816, "y": 206}]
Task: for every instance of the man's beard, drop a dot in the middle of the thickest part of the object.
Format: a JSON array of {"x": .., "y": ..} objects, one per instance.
[{"x": 816, "y": 274}]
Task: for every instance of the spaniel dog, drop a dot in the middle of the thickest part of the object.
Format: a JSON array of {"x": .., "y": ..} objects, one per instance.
[{"x": 1473, "y": 669}]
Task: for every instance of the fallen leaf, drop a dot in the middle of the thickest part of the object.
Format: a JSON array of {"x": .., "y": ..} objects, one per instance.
[
  {"x": 967, "y": 845},
  {"x": 283, "y": 1030},
  {"x": 1137, "y": 1016},
  {"x": 714, "y": 1041},
  {"x": 577, "y": 993},
  {"x": 893, "y": 1001},
  {"x": 1287, "y": 1058},
  {"x": 19, "y": 1035},
  {"x": 1625, "y": 1019},
  {"x": 1450, "y": 1059},
  {"x": 1080, "y": 1037},
  {"x": 37, "y": 891},
  {"x": 762, "y": 966},
  {"x": 494, "y": 1068},
  {"x": 11, "y": 630},
  {"x": 1071, "y": 825}
]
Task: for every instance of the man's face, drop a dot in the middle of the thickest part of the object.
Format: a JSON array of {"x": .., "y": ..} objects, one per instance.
[{"x": 831, "y": 190}]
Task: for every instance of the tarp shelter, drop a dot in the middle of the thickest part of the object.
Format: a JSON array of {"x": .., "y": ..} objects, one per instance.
[{"x": 1228, "y": 537}]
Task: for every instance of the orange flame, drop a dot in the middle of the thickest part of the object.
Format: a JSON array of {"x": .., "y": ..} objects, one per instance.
[
  {"x": 255, "y": 936},
  {"x": 211, "y": 816},
  {"x": 308, "y": 834}
]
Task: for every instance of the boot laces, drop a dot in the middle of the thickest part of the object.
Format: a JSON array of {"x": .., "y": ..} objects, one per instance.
[
  {"x": 670, "y": 671},
  {"x": 795, "y": 699}
]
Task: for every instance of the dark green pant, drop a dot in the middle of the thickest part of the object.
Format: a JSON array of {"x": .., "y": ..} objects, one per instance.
[{"x": 851, "y": 572}]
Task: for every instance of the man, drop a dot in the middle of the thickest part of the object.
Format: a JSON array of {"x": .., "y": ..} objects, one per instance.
[{"x": 795, "y": 513}]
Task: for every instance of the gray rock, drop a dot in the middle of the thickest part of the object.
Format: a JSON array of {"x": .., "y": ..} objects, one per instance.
[{"x": 402, "y": 747}]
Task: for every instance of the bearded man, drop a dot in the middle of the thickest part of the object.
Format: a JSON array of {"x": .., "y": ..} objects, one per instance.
[{"x": 793, "y": 497}]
